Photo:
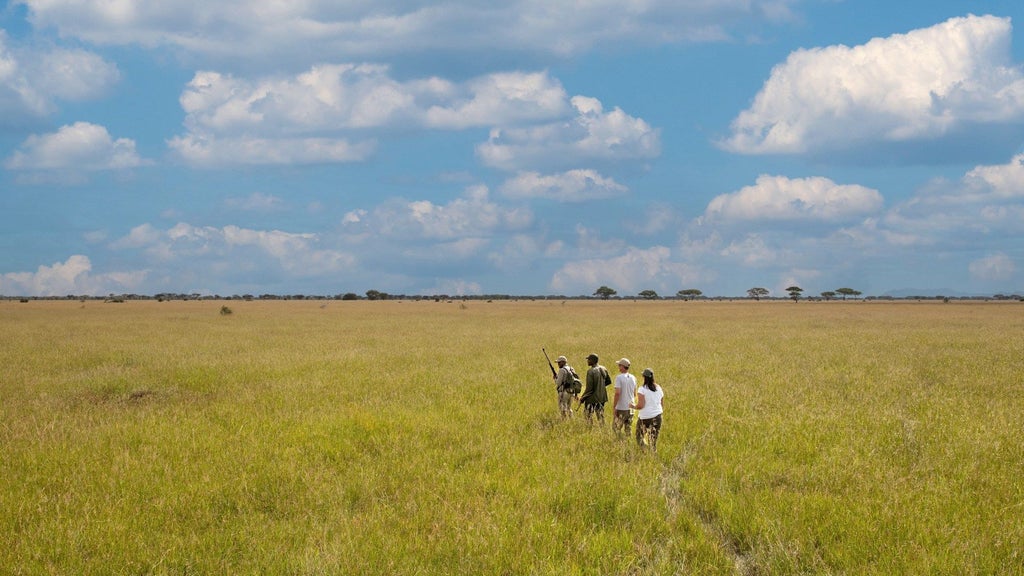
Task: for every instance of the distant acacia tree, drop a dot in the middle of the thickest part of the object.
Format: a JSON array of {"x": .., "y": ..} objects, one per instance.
[
  {"x": 376, "y": 295},
  {"x": 689, "y": 293},
  {"x": 794, "y": 292},
  {"x": 757, "y": 292},
  {"x": 350, "y": 296},
  {"x": 649, "y": 294},
  {"x": 847, "y": 292},
  {"x": 605, "y": 292},
  {"x": 828, "y": 295}
]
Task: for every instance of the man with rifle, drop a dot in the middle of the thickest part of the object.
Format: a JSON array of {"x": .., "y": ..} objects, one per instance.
[{"x": 563, "y": 384}]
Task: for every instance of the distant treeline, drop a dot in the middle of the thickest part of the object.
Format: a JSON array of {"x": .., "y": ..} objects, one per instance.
[{"x": 375, "y": 295}]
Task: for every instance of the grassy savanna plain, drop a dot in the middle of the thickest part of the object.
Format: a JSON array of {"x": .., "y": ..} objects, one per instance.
[{"x": 311, "y": 437}]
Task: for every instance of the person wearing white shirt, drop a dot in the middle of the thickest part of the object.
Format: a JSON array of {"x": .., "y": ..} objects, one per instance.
[
  {"x": 649, "y": 401},
  {"x": 625, "y": 389}
]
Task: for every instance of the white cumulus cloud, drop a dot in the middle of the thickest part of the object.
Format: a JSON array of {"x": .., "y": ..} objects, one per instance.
[
  {"x": 629, "y": 272},
  {"x": 752, "y": 250},
  {"x": 34, "y": 81},
  {"x": 73, "y": 276},
  {"x": 592, "y": 135},
  {"x": 987, "y": 202},
  {"x": 789, "y": 199},
  {"x": 999, "y": 182},
  {"x": 233, "y": 247},
  {"x": 914, "y": 86},
  {"x": 78, "y": 147},
  {"x": 497, "y": 99},
  {"x": 473, "y": 215},
  {"x": 995, "y": 267},
  {"x": 325, "y": 114},
  {"x": 570, "y": 186}
]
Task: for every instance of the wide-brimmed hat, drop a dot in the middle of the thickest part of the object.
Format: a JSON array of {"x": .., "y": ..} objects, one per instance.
[
  {"x": 592, "y": 357},
  {"x": 561, "y": 359},
  {"x": 648, "y": 373},
  {"x": 623, "y": 362}
]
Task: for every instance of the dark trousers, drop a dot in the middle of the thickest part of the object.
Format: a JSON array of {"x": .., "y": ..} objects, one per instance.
[{"x": 650, "y": 428}]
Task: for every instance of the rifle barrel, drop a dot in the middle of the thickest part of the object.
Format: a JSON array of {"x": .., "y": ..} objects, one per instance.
[{"x": 550, "y": 365}]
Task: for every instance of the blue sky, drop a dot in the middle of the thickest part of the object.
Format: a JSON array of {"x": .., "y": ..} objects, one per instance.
[{"x": 235, "y": 147}]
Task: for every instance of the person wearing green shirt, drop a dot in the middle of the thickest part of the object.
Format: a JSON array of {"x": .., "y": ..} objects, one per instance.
[{"x": 595, "y": 396}]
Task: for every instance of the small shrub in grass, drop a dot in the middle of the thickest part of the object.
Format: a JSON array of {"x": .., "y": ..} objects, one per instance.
[{"x": 225, "y": 311}]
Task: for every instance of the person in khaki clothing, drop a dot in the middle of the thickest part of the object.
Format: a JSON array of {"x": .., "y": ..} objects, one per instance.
[{"x": 563, "y": 385}]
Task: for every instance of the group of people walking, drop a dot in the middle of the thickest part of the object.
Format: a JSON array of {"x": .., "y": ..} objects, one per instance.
[{"x": 645, "y": 400}]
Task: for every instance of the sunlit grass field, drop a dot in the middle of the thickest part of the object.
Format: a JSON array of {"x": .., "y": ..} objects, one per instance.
[{"x": 314, "y": 437}]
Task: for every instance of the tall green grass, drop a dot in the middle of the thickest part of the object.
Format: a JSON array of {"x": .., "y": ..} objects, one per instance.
[{"x": 424, "y": 437}]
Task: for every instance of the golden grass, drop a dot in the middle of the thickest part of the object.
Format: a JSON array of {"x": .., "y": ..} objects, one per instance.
[{"x": 309, "y": 437}]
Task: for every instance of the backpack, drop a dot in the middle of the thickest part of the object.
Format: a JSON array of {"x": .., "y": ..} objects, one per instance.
[
  {"x": 576, "y": 386},
  {"x": 607, "y": 378}
]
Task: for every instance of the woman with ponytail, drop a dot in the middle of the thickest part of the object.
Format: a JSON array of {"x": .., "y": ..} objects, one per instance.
[{"x": 649, "y": 398}]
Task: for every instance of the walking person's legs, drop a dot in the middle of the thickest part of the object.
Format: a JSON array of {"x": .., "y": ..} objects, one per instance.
[
  {"x": 655, "y": 429},
  {"x": 565, "y": 403},
  {"x": 623, "y": 420}
]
